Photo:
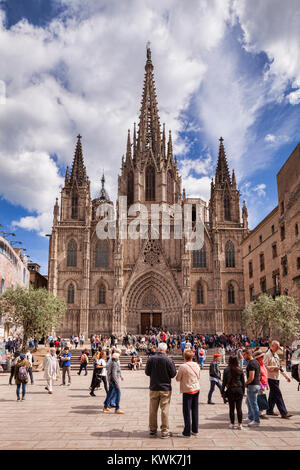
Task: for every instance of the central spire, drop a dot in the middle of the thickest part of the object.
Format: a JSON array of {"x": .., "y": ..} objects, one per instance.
[
  {"x": 222, "y": 172},
  {"x": 149, "y": 125},
  {"x": 78, "y": 169}
]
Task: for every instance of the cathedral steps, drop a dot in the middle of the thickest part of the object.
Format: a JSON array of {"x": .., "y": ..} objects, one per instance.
[{"x": 125, "y": 360}]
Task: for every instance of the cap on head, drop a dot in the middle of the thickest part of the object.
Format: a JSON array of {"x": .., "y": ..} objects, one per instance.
[
  {"x": 258, "y": 354},
  {"x": 217, "y": 355},
  {"x": 115, "y": 356}
]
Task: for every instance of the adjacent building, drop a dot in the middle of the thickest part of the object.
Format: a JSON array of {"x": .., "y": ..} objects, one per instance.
[
  {"x": 37, "y": 280},
  {"x": 118, "y": 285},
  {"x": 13, "y": 273},
  {"x": 271, "y": 252}
]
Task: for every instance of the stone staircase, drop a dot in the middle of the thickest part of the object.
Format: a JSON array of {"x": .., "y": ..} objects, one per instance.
[{"x": 125, "y": 360}]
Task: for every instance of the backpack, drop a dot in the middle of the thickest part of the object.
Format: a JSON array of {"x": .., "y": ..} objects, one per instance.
[
  {"x": 201, "y": 353},
  {"x": 22, "y": 374},
  {"x": 295, "y": 374},
  {"x": 83, "y": 359}
]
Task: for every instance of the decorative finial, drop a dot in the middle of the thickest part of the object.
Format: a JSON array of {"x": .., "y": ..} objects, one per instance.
[
  {"x": 79, "y": 137},
  {"x": 221, "y": 139},
  {"x": 148, "y": 50}
]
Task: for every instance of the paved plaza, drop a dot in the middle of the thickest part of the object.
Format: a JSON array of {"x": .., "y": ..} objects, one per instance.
[{"x": 72, "y": 419}]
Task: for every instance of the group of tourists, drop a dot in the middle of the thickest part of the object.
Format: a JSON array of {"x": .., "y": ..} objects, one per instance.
[
  {"x": 262, "y": 374},
  {"x": 253, "y": 369}
]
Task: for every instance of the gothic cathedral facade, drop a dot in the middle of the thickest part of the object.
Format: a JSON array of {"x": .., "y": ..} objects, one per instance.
[{"x": 127, "y": 285}]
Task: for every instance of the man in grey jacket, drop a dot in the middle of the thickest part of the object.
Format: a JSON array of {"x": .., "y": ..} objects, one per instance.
[{"x": 114, "y": 379}]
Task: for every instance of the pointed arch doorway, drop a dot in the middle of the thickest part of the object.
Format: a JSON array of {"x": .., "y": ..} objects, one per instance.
[
  {"x": 150, "y": 312},
  {"x": 151, "y": 299}
]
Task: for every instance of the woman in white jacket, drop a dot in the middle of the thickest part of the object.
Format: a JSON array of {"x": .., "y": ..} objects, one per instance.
[{"x": 51, "y": 369}]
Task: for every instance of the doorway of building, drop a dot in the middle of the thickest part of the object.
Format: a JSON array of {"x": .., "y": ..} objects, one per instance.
[{"x": 149, "y": 319}]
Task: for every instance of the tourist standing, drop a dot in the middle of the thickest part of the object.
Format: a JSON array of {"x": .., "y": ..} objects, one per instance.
[
  {"x": 189, "y": 376},
  {"x": 253, "y": 387},
  {"x": 15, "y": 359},
  {"x": 99, "y": 372},
  {"x": 51, "y": 369},
  {"x": 259, "y": 357},
  {"x": 161, "y": 369},
  {"x": 214, "y": 377},
  {"x": 65, "y": 357},
  {"x": 201, "y": 354},
  {"x": 222, "y": 351},
  {"x": 272, "y": 363},
  {"x": 114, "y": 378},
  {"x": 30, "y": 359},
  {"x": 233, "y": 388},
  {"x": 84, "y": 360},
  {"x": 21, "y": 375}
]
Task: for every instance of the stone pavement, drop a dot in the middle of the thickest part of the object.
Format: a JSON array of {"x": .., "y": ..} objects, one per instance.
[{"x": 72, "y": 419}]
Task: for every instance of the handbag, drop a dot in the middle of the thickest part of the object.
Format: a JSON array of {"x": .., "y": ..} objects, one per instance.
[{"x": 262, "y": 401}]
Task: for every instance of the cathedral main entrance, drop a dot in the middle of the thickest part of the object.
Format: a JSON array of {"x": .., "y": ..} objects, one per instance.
[{"x": 149, "y": 319}]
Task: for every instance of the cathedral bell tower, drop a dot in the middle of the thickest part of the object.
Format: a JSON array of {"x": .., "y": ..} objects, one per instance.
[
  {"x": 149, "y": 173},
  {"x": 224, "y": 206}
]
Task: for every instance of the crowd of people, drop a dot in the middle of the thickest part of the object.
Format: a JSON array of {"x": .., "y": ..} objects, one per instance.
[{"x": 252, "y": 369}]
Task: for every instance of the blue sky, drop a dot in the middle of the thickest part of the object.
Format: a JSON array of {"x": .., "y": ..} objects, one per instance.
[{"x": 222, "y": 67}]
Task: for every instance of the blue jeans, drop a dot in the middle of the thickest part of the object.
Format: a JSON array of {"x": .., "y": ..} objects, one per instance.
[
  {"x": 201, "y": 358},
  {"x": 23, "y": 389},
  {"x": 251, "y": 402},
  {"x": 113, "y": 391}
]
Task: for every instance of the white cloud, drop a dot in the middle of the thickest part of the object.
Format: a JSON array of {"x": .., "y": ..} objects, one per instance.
[
  {"x": 270, "y": 138},
  {"x": 260, "y": 189},
  {"x": 85, "y": 74},
  {"x": 272, "y": 26},
  {"x": 294, "y": 97}
]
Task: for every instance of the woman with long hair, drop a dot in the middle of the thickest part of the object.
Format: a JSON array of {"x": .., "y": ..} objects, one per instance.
[
  {"x": 99, "y": 374},
  {"x": 233, "y": 389}
]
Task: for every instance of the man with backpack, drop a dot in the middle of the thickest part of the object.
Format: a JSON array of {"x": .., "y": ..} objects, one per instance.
[
  {"x": 84, "y": 360},
  {"x": 21, "y": 376}
]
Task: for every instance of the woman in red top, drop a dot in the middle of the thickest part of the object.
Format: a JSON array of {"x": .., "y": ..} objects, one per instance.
[{"x": 259, "y": 356}]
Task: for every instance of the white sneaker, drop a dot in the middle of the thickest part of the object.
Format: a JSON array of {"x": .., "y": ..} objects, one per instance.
[
  {"x": 253, "y": 424},
  {"x": 239, "y": 427},
  {"x": 231, "y": 426}
]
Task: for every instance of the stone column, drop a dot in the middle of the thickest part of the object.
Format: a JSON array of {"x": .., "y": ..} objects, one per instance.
[
  {"x": 186, "y": 322},
  {"x": 118, "y": 326},
  {"x": 85, "y": 293},
  {"x": 219, "y": 315}
]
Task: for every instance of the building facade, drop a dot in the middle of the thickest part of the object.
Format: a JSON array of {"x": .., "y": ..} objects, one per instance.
[
  {"x": 37, "y": 280},
  {"x": 271, "y": 252},
  {"x": 13, "y": 273},
  {"x": 118, "y": 285}
]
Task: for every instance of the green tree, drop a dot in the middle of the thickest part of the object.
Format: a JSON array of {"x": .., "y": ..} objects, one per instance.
[
  {"x": 35, "y": 310},
  {"x": 279, "y": 317}
]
